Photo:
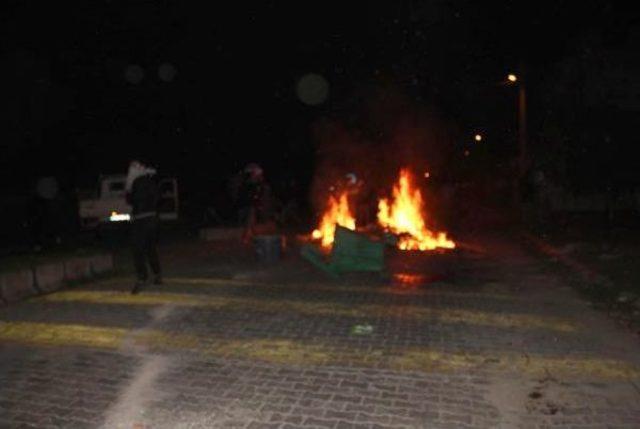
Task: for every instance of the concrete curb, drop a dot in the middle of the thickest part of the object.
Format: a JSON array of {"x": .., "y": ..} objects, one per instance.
[
  {"x": 101, "y": 264},
  {"x": 17, "y": 285},
  {"x": 620, "y": 301},
  {"x": 50, "y": 277},
  {"x": 585, "y": 272},
  {"x": 77, "y": 268}
]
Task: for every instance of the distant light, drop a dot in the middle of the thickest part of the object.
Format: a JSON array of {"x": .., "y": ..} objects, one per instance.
[
  {"x": 512, "y": 77},
  {"x": 427, "y": 174},
  {"x": 312, "y": 89},
  {"x": 466, "y": 153},
  {"x": 119, "y": 217},
  {"x": 478, "y": 137},
  {"x": 47, "y": 188},
  {"x": 166, "y": 72},
  {"x": 133, "y": 74}
]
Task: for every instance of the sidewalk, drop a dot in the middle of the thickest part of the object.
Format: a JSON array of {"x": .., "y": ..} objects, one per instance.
[{"x": 605, "y": 264}]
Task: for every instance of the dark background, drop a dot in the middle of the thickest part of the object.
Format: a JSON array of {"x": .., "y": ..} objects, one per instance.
[{"x": 412, "y": 80}]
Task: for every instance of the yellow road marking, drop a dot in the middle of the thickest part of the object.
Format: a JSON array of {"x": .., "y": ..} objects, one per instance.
[
  {"x": 386, "y": 290},
  {"x": 211, "y": 281},
  {"x": 426, "y": 360},
  {"x": 115, "y": 297},
  {"x": 505, "y": 320},
  {"x": 292, "y": 352},
  {"x": 192, "y": 281},
  {"x": 61, "y": 335}
]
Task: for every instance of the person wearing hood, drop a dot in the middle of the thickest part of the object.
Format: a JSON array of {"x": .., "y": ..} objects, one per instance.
[{"x": 142, "y": 194}]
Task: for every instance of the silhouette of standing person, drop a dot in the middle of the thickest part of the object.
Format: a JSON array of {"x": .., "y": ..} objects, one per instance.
[{"x": 142, "y": 194}]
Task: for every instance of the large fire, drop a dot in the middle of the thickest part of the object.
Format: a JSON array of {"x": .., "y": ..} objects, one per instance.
[
  {"x": 403, "y": 215},
  {"x": 338, "y": 212}
]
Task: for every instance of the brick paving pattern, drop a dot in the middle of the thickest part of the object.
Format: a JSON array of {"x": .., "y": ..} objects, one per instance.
[{"x": 494, "y": 339}]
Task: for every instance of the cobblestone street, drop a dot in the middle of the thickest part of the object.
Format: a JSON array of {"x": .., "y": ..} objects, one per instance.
[{"x": 487, "y": 338}]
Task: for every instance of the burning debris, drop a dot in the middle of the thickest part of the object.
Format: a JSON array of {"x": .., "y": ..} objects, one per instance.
[
  {"x": 403, "y": 215},
  {"x": 351, "y": 252},
  {"x": 337, "y": 212}
]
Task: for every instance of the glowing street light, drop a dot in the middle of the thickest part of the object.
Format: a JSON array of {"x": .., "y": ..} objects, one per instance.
[
  {"x": 478, "y": 138},
  {"x": 519, "y": 82}
]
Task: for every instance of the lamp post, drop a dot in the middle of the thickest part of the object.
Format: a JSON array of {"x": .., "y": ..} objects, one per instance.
[{"x": 522, "y": 130}]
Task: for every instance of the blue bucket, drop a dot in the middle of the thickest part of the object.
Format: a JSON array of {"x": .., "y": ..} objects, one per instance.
[{"x": 268, "y": 248}]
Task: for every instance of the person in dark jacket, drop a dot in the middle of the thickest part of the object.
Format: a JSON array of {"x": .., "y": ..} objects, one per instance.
[
  {"x": 255, "y": 202},
  {"x": 142, "y": 194}
]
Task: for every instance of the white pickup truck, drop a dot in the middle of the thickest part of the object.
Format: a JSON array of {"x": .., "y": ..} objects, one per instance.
[{"x": 110, "y": 205}]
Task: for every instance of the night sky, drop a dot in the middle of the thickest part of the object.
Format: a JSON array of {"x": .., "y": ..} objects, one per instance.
[{"x": 70, "y": 112}]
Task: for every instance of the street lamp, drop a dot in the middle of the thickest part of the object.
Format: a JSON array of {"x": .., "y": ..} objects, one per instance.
[
  {"x": 522, "y": 124},
  {"x": 478, "y": 138}
]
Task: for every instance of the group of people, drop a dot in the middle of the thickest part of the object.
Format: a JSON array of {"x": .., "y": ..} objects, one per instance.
[{"x": 252, "y": 196}]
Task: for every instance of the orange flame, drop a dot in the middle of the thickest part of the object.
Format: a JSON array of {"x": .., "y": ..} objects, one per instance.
[
  {"x": 404, "y": 216},
  {"x": 337, "y": 213}
]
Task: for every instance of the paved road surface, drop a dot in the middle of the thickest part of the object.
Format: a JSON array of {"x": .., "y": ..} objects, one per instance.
[{"x": 485, "y": 338}]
